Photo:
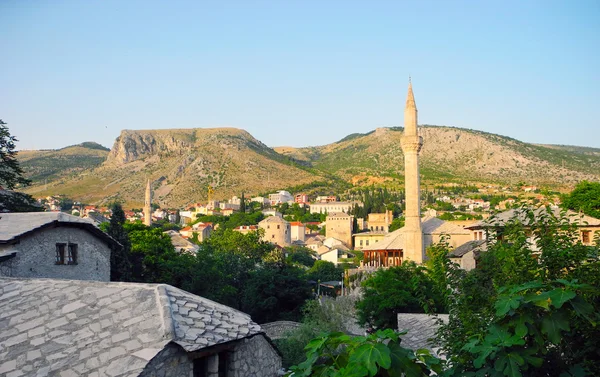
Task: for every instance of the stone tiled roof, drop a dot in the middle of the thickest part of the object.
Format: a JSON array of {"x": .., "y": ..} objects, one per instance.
[
  {"x": 421, "y": 329},
  {"x": 15, "y": 225},
  {"x": 75, "y": 328},
  {"x": 466, "y": 247},
  {"x": 430, "y": 225},
  {"x": 501, "y": 218}
]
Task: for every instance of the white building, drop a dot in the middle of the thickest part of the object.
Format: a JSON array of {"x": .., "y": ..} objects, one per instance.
[
  {"x": 280, "y": 197},
  {"x": 332, "y": 207}
]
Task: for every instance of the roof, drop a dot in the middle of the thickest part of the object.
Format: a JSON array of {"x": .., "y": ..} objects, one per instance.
[
  {"x": 337, "y": 214},
  {"x": 72, "y": 327},
  {"x": 466, "y": 247},
  {"x": 429, "y": 225},
  {"x": 179, "y": 242},
  {"x": 13, "y": 226},
  {"x": 273, "y": 219},
  {"x": 501, "y": 218}
]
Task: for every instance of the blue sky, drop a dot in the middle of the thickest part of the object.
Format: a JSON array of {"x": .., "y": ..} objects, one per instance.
[{"x": 298, "y": 73}]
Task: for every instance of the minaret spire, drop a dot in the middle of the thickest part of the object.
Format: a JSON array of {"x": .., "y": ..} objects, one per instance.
[
  {"x": 411, "y": 146},
  {"x": 148, "y": 205}
]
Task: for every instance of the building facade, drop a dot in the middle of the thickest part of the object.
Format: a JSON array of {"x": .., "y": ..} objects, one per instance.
[
  {"x": 339, "y": 225},
  {"x": 53, "y": 245},
  {"x": 276, "y": 231}
]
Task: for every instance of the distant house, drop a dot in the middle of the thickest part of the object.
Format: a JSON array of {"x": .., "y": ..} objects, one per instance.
[
  {"x": 466, "y": 254},
  {"x": 280, "y": 197},
  {"x": 83, "y": 328},
  {"x": 337, "y": 256},
  {"x": 339, "y": 225},
  {"x": 298, "y": 231},
  {"x": 301, "y": 198},
  {"x": 329, "y": 207},
  {"x": 364, "y": 239},
  {"x": 53, "y": 245},
  {"x": 276, "y": 231},
  {"x": 245, "y": 229},
  {"x": 180, "y": 243}
]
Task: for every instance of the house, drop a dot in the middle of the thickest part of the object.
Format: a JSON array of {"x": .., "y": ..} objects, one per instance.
[
  {"x": 315, "y": 242},
  {"x": 203, "y": 230},
  {"x": 245, "y": 229},
  {"x": 380, "y": 221},
  {"x": 187, "y": 231},
  {"x": 53, "y": 245},
  {"x": 83, "y": 328},
  {"x": 361, "y": 240},
  {"x": 301, "y": 198},
  {"x": 587, "y": 226},
  {"x": 339, "y": 225},
  {"x": 298, "y": 230},
  {"x": 181, "y": 244},
  {"x": 337, "y": 255},
  {"x": 326, "y": 199},
  {"x": 331, "y": 207},
  {"x": 277, "y": 231},
  {"x": 261, "y": 200},
  {"x": 466, "y": 254},
  {"x": 280, "y": 197}
]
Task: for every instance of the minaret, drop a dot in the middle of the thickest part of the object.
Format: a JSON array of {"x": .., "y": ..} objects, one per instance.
[
  {"x": 411, "y": 145},
  {"x": 148, "y": 205}
]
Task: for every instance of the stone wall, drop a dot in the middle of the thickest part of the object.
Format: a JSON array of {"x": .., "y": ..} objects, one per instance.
[
  {"x": 277, "y": 330},
  {"x": 36, "y": 256},
  {"x": 171, "y": 361},
  {"x": 254, "y": 357},
  {"x": 421, "y": 329}
]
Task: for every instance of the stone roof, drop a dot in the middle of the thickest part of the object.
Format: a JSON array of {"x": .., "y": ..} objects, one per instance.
[
  {"x": 73, "y": 328},
  {"x": 273, "y": 219},
  {"x": 180, "y": 243},
  {"x": 430, "y": 225},
  {"x": 501, "y": 218},
  {"x": 421, "y": 329},
  {"x": 463, "y": 249},
  {"x": 15, "y": 225}
]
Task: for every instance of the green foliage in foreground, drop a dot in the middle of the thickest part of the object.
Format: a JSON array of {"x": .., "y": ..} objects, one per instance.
[
  {"x": 585, "y": 197},
  {"x": 379, "y": 354}
]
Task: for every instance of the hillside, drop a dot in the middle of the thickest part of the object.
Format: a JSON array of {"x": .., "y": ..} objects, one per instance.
[
  {"x": 52, "y": 164},
  {"x": 452, "y": 155},
  {"x": 181, "y": 163}
]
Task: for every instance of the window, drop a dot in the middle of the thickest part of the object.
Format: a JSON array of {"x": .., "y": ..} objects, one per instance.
[
  {"x": 72, "y": 255},
  {"x": 60, "y": 253},
  {"x": 273, "y": 236},
  {"x": 361, "y": 242},
  {"x": 367, "y": 242},
  {"x": 585, "y": 236},
  {"x": 277, "y": 226}
]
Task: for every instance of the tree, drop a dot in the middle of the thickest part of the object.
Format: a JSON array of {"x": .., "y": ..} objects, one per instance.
[
  {"x": 325, "y": 271},
  {"x": 403, "y": 289},
  {"x": 243, "y": 203},
  {"x": 120, "y": 263},
  {"x": 11, "y": 174},
  {"x": 585, "y": 197}
]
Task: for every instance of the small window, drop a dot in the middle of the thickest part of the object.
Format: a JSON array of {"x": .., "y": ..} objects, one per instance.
[
  {"x": 277, "y": 226},
  {"x": 60, "y": 253},
  {"x": 361, "y": 242},
  {"x": 367, "y": 242},
  {"x": 72, "y": 255},
  {"x": 273, "y": 236},
  {"x": 585, "y": 236}
]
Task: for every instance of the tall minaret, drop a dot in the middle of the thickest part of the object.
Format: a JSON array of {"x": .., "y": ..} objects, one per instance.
[
  {"x": 148, "y": 205},
  {"x": 411, "y": 145}
]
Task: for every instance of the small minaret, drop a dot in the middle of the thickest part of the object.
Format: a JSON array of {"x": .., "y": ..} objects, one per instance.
[
  {"x": 411, "y": 145},
  {"x": 148, "y": 205}
]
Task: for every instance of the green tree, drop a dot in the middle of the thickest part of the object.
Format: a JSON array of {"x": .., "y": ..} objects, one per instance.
[
  {"x": 11, "y": 174},
  {"x": 275, "y": 292},
  {"x": 243, "y": 203},
  {"x": 403, "y": 289},
  {"x": 325, "y": 271},
  {"x": 585, "y": 197},
  {"x": 120, "y": 263}
]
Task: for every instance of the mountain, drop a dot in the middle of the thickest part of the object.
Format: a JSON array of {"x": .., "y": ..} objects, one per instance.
[
  {"x": 53, "y": 164},
  {"x": 451, "y": 155},
  {"x": 181, "y": 164}
]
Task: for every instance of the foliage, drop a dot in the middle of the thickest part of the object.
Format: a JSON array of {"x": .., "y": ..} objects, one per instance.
[
  {"x": 325, "y": 271},
  {"x": 376, "y": 200},
  {"x": 379, "y": 354},
  {"x": 301, "y": 256},
  {"x": 536, "y": 249},
  {"x": 120, "y": 257},
  {"x": 585, "y": 197},
  {"x": 11, "y": 174},
  {"x": 13, "y": 201},
  {"x": 532, "y": 332},
  {"x": 275, "y": 292},
  {"x": 403, "y": 289},
  {"x": 396, "y": 224}
]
